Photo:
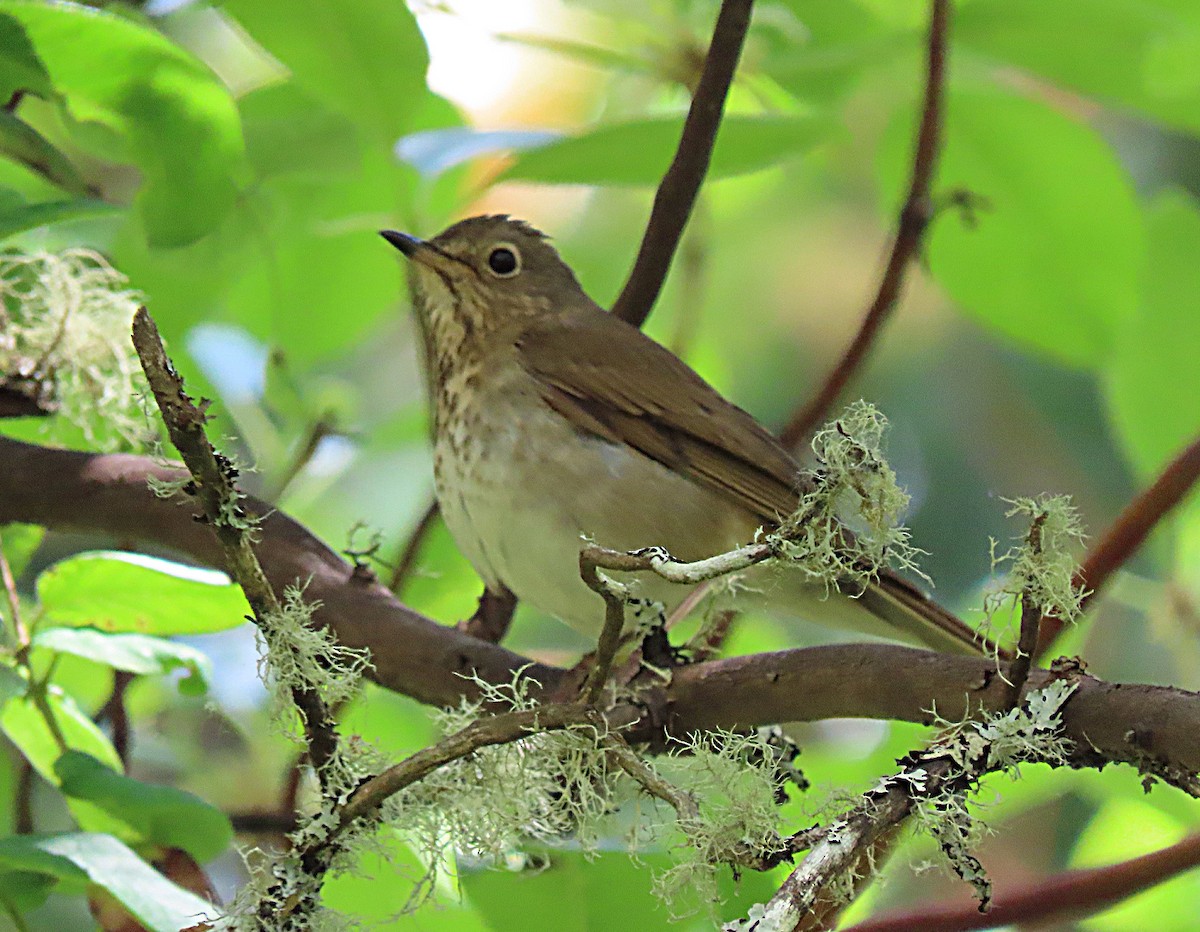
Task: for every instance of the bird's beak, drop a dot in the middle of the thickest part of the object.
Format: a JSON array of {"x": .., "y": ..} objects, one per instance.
[{"x": 415, "y": 249}]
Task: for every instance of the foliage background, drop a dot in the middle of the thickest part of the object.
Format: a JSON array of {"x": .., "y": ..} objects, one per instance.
[{"x": 235, "y": 160}]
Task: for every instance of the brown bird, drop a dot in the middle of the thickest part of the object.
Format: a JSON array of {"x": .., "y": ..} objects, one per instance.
[{"x": 555, "y": 421}]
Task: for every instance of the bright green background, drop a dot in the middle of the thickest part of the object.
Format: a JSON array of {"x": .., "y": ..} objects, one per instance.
[{"x": 235, "y": 161}]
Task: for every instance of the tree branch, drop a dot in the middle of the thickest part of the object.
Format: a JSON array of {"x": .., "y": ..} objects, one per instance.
[
  {"x": 213, "y": 484},
  {"x": 678, "y": 189},
  {"x": 1149, "y": 726},
  {"x": 1062, "y": 898},
  {"x": 1128, "y": 532},
  {"x": 914, "y": 218}
]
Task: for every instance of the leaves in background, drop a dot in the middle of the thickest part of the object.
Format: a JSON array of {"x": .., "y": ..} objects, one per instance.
[
  {"x": 20, "y": 68},
  {"x": 128, "y": 592},
  {"x": 78, "y": 858},
  {"x": 1153, "y": 378},
  {"x": 366, "y": 59},
  {"x": 135, "y": 653},
  {"x": 1141, "y": 53},
  {"x": 20, "y": 141},
  {"x": 1048, "y": 254},
  {"x": 639, "y": 151},
  {"x": 161, "y": 109},
  {"x": 142, "y": 813}
]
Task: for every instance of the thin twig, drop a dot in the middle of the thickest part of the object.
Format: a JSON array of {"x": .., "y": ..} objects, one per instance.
[
  {"x": 412, "y": 549},
  {"x": 117, "y": 715},
  {"x": 914, "y": 218},
  {"x": 1068, "y": 896},
  {"x": 678, "y": 189},
  {"x": 1031, "y": 615},
  {"x": 323, "y": 427},
  {"x": 214, "y": 477},
  {"x": 1127, "y": 533}
]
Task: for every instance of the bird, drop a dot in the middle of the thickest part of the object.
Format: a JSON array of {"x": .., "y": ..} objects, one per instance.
[{"x": 555, "y": 422}]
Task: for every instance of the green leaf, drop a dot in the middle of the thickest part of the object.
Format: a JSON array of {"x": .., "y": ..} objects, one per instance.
[
  {"x": 1135, "y": 52},
  {"x": 20, "y": 67},
  {"x": 19, "y": 542},
  {"x": 831, "y": 46},
  {"x": 145, "y": 813},
  {"x": 21, "y": 217},
  {"x": 162, "y": 109},
  {"x": 639, "y": 151},
  {"x": 366, "y": 59},
  {"x": 78, "y": 858},
  {"x": 1153, "y": 379},
  {"x": 135, "y": 593},
  {"x": 136, "y": 653},
  {"x": 20, "y": 141},
  {"x": 289, "y": 131},
  {"x": 1049, "y": 254},
  {"x": 22, "y": 722}
]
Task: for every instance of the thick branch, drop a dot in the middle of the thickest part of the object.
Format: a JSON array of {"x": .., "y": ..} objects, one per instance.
[
  {"x": 914, "y": 218},
  {"x": 1147, "y": 725},
  {"x": 678, "y": 189},
  {"x": 1130, "y": 529}
]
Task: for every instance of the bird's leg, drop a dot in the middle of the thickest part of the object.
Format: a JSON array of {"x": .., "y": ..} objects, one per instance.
[{"x": 492, "y": 617}]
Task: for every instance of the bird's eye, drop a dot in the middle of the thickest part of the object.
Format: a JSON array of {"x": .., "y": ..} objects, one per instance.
[{"x": 504, "y": 261}]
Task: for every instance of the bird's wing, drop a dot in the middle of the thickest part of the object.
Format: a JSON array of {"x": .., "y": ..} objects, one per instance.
[{"x": 611, "y": 380}]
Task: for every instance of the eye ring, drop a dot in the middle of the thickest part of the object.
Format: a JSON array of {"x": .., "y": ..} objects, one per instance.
[{"x": 504, "y": 261}]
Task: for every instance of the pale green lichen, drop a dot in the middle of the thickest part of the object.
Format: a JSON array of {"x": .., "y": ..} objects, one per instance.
[
  {"x": 848, "y": 523},
  {"x": 1031, "y": 732},
  {"x": 294, "y": 653},
  {"x": 1042, "y": 566},
  {"x": 735, "y": 779},
  {"x": 65, "y": 319}
]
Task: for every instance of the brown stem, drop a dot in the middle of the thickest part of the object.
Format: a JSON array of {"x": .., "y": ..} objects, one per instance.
[
  {"x": 117, "y": 715},
  {"x": 1062, "y": 898},
  {"x": 1130, "y": 529},
  {"x": 678, "y": 189},
  {"x": 20, "y": 633},
  {"x": 914, "y": 218},
  {"x": 1031, "y": 616}
]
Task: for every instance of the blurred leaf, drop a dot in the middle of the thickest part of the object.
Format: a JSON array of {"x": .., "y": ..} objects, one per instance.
[
  {"x": 131, "y": 592},
  {"x": 22, "y": 722},
  {"x": 20, "y": 67},
  {"x": 433, "y": 151},
  {"x": 288, "y": 130},
  {"x": 20, "y": 141},
  {"x": 585, "y": 52},
  {"x": 1135, "y": 52},
  {"x": 19, "y": 542},
  {"x": 142, "y": 813},
  {"x": 169, "y": 114},
  {"x": 1048, "y": 252},
  {"x": 136, "y": 653},
  {"x": 24, "y": 890},
  {"x": 831, "y": 46},
  {"x": 639, "y": 151},
  {"x": 535, "y": 900},
  {"x": 82, "y": 857},
  {"x": 1153, "y": 379},
  {"x": 21, "y": 217},
  {"x": 366, "y": 59}
]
